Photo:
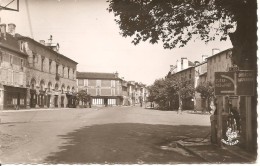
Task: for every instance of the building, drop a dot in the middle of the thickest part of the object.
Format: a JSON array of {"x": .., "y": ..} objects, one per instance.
[
  {"x": 200, "y": 78},
  {"x": 182, "y": 64},
  {"x": 131, "y": 92},
  {"x": 219, "y": 62},
  {"x": 104, "y": 88},
  {"x": 51, "y": 76},
  {"x": 13, "y": 90},
  {"x": 186, "y": 76}
]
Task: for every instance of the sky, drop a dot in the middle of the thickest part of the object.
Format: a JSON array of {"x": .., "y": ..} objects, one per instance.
[{"x": 88, "y": 34}]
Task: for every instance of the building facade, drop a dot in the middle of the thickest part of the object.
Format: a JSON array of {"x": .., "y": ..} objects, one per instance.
[
  {"x": 200, "y": 78},
  {"x": 51, "y": 76},
  {"x": 104, "y": 88},
  {"x": 13, "y": 91},
  {"x": 219, "y": 62},
  {"x": 186, "y": 76}
]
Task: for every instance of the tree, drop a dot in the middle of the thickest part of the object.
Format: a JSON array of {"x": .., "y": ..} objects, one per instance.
[
  {"x": 176, "y": 22},
  {"x": 83, "y": 96},
  {"x": 206, "y": 91},
  {"x": 169, "y": 93},
  {"x": 164, "y": 93},
  {"x": 186, "y": 92}
]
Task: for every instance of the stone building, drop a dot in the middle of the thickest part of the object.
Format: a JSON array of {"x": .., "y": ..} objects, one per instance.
[
  {"x": 218, "y": 62},
  {"x": 131, "y": 92},
  {"x": 186, "y": 76},
  {"x": 51, "y": 76},
  {"x": 12, "y": 71},
  {"x": 200, "y": 78},
  {"x": 104, "y": 88}
]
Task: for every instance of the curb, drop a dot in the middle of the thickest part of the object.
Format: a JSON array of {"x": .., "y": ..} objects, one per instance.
[
  {"x": 240, "y": 155},
  {"x": 192, "y": 152},
  {"x": 31, "y": 110}
]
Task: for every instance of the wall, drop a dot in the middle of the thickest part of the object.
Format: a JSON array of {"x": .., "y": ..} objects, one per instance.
[{"x": 218, "y": 63}]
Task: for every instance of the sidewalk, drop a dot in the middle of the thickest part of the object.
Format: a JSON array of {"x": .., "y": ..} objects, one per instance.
[
  {"x": 45, "y": 109},
  {"x": 214, "y": 154}
]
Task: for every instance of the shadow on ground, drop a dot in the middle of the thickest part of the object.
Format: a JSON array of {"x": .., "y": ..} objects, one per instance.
[{"x": 127, "y": 144}]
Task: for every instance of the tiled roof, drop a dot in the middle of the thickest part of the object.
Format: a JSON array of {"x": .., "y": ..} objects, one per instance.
[
  {"x": 94, "y": 75},
  {"x": 229, "y": 49},
  {"x": 11, "y": 43},
  {"x": 18, "y": 36}
]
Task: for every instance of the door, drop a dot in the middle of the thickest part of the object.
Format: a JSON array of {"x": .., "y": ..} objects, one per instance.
[{"x": 56, "y": 100}]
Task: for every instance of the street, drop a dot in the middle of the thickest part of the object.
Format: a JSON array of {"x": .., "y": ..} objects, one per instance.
[{"x": 99, "y": 135}]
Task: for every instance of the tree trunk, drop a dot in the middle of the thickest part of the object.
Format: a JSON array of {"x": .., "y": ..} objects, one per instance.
[
  {"x": 244, "y": 39},
  {"x": 244, "y": 54}
]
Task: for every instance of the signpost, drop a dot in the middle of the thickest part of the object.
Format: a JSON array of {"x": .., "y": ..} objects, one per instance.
[
  {"x": 233, "y": 84},
  {"x": 241, "y": 83},
  {"x": 246, "y": 83},
  {"x": 225, "y": 83}
]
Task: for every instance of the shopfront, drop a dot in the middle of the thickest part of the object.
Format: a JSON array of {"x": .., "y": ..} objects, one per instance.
[{"x": 14, "y": 98}]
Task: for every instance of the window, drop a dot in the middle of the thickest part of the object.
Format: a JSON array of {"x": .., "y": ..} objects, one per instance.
[
  {"x": 11, "y": 59},
  {"x": 57, "y": 68},
  {"x": 63, "y": 69},
  {"x": 98, "y": 83},
  {"x": 73, "y": 74},
  {"x": 80, "y": 82},
  {"x": 98, "y": 92},
  {"x": 50, "y": 61},
  {"x": 22, "y": 64},
  {"x": 113, "y": 83},
  {"x": 1, "y": 57},
  {"x": 34, "y": 60},
  {"x": 68, "y": 73},
  {"x": 42, "y": 64}
]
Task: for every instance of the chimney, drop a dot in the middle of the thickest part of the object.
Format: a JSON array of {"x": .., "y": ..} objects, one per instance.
[
  {"x": 3, "y": 31},
  {"x": 116, "y": 74},
  {"x": 11, "y": 29},
  {"x": 50, "y": 41},
  {"x": 42, "y": 42},
  {"x": 196, "y": 63},
  {"x": 215, "y": 51},
  {"x": 204, "y": 57}
]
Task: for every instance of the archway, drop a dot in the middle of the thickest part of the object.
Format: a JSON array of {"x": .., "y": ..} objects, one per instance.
[
  {"x": 56, "y": 88},
  {"x": 42, "y": 94},
  {"x": 48, "y": 100},
  {"x": 33, "y": 99},
  {"x": 62, "y": 96}
]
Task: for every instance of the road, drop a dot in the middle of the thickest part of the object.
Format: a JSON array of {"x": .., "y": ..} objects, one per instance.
[{"x": 128, "y": 135}]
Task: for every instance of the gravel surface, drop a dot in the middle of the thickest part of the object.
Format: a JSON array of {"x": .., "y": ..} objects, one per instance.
[{"x": 98, "y": 135}]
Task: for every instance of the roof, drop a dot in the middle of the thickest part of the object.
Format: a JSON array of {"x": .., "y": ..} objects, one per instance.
[
  {"x": 190, "y": 63},
  {"x": 94, "y": 75},
  {"x": 201, "y": 63},
  {"x": 230, "y": 49},
  {"x": 43, "y": 46},
  {"x": 11, "y": 43},
  {"x": 190, "y": 67}
]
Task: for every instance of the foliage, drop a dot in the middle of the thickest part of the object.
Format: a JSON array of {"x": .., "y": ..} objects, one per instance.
[
  {"x": 176, "y": 22},
  {"x": 206, "y": 90},
  {"x": 83, "y": 96},
  {"x": 186, "y": 90},
  {"x": 165, "y": 92}
]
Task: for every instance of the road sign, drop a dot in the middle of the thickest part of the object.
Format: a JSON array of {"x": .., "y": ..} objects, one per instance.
[
  {"x": 225, "y": 83},
  {"x": 241, "y": 83},
  {"x": 246, "y": 83}
]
